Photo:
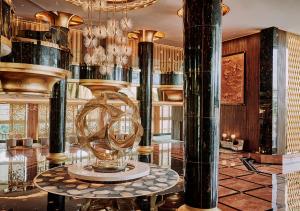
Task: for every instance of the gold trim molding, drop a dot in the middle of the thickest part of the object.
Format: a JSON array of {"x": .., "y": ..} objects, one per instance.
[
  {"x": 169, "y": 87},
  {"x": 57, "y": 158},
  {"x": 188, "y": 208},
  {"x": 145, "y": 149},
  {"x": 38, "y": 42},
  {"x": 29, "y": 78}
]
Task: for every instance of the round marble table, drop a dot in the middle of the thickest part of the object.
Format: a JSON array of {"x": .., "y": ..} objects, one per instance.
[{"x": 58, "y": 181}]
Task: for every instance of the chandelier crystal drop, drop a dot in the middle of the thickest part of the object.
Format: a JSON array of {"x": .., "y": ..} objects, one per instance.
[
  {"x": 126, "y": 24},
  {"x": 127, "y": 50},
  {"x": 122, "y": 40}
]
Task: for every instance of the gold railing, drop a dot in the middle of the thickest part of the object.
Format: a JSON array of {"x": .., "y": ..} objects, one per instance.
[
  {"x": 33, "y": 25},
  {"x": 166, "y": 58}
]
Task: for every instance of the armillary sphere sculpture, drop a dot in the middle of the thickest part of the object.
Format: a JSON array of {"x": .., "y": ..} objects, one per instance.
[{"x": 114, "y": 138}]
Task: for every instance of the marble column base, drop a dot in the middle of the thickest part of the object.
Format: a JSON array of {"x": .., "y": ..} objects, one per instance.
[
  {"x": 145, "y": 149},
  {"x": 188, "y": 208},
  {"x": 57, "y": 157}
]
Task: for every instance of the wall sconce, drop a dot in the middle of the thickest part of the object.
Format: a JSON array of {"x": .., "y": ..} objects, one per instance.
[
  {"x": 224, "y": 137},
  {"x": 233, "y": 136}
]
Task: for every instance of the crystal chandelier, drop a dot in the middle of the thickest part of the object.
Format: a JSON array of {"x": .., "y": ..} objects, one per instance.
[
  {"x": 113, "y": 5},
  {"x": 115, "y": 33}
]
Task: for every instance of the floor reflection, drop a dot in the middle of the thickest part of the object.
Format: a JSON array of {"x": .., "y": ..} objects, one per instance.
[{"x": 239, "y": 188}]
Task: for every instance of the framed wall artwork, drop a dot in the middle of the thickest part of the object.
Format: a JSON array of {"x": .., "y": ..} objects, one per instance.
[{"x": 233, "y": 79}]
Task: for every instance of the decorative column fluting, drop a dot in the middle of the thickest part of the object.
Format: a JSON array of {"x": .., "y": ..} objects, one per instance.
[
  {"x": 202, "y": 71},
  {"x": 144, "y": 94}
]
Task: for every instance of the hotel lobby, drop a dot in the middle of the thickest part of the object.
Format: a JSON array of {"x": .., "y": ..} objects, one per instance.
[{"x": 150, "y": 105}]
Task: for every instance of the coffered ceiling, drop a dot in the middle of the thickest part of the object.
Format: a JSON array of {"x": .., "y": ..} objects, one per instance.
[{"x": 245, "y": 17}]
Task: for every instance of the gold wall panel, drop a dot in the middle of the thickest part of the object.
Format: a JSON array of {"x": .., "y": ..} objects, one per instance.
[
  {"x": 293, "y": 191},
  {"x": 75, "y": 43},
  {"x": 293, "y": 94},
  {"x": 18, "y": 117},
  {"x": 43, "y": 120}
]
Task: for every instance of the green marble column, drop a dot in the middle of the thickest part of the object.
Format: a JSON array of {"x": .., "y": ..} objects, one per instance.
[{"x": 202, "y": 70}]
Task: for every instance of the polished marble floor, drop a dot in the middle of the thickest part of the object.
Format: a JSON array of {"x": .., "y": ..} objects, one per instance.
[{"x": 239, "y": 188}]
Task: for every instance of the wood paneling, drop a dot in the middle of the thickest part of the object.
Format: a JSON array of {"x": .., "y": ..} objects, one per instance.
[
  {"x": 156, "y": 119},
  {"x": 243, "y": 120}
]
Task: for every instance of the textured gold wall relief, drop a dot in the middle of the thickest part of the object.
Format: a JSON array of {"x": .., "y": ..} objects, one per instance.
[
  {"x": 233, "y": 76},
  {"x": 293, "y": 94},
  {"x": 293, "y": 191},
  {"x": 43, "y": 120}
]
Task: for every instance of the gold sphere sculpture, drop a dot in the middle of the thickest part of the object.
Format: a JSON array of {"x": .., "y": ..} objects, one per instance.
[{"x": 115, "y": 134}]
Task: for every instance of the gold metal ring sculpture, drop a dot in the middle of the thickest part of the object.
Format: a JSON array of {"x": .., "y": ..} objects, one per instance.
[{"x": 114, "y": 146}]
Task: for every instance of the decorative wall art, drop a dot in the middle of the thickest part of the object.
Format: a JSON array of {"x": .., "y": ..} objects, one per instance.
[{"x": 233, "y": 79}]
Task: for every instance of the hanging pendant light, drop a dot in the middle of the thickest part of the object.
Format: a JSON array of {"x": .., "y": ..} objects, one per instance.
[{"x": 116, "y": 31}]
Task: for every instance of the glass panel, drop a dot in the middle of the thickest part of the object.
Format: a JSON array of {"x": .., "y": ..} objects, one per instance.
[{"x": 4, "y": 112}]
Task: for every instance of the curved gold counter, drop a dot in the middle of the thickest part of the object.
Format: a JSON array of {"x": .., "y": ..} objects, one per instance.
[
  {"x": 98, "y": 85},
  {"x": 29, "y": 78}
]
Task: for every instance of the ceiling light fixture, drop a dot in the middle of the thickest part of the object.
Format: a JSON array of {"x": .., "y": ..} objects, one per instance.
[
  {"x": 114, "y": 32},
  {"x": 113, "y": 5}
]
